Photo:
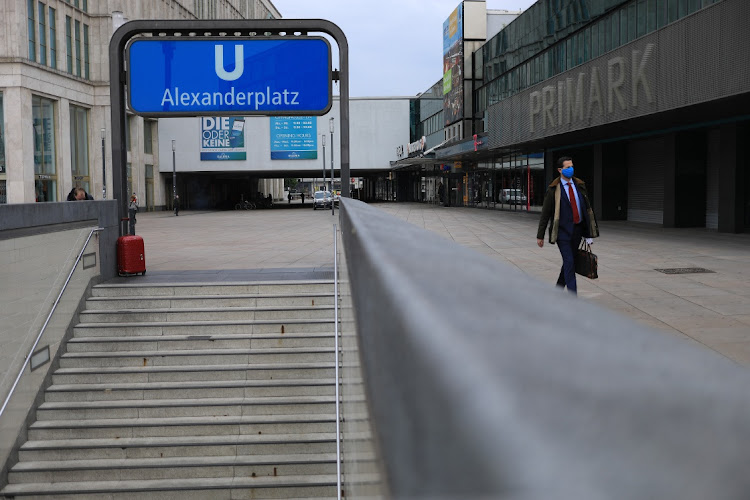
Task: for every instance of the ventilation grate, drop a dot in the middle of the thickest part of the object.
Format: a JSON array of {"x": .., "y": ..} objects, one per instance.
[{"x": 684, "y": 270}]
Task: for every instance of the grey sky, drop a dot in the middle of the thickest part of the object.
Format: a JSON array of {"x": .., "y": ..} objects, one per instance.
[{"x": 395, "y": 46}]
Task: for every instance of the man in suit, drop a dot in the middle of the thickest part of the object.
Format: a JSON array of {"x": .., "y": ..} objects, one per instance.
[{"x": 567, "y": 203}]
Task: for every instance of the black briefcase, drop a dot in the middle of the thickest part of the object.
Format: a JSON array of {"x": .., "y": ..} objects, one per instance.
[{"x": 586, "y": 262}]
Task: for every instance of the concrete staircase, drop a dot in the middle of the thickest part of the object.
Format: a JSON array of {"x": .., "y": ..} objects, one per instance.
[{"x": 190, "y": 391}]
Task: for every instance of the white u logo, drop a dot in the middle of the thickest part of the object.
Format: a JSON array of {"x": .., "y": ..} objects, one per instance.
[{"x": 239, "y": 63}]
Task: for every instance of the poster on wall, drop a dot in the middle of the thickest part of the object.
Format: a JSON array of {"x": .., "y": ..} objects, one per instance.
[
  {"x": 453, "y": 66},
  {"x": 294, "y": 138},
  {"x": 222, "y": 138}
]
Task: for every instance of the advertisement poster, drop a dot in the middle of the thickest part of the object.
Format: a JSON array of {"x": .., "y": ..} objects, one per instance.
[
  {"x": 453, "y": 66},
  {"x": 222, "y": 138},
  {"x": 294, "y": 138}
]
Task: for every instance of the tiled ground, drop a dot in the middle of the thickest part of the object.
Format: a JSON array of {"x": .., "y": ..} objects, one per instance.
[{"x": 711, "y": 309}]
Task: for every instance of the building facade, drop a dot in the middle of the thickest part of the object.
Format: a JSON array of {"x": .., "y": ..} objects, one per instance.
[
  {"x": 650, "y": 97},
  {"x": 54, "y": 95}
]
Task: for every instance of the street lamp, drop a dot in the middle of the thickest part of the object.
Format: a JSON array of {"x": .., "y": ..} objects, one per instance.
[
  {"x": 174, "y": 173},
  {"x": 323, "y": 138},
  {"x": 104, "y": 166},
  {"x": 330, "y": 123}
]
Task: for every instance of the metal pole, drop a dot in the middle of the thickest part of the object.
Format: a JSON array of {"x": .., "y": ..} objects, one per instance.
[
  {"x": 331, "y": 127},
  {"x": 104, "y": 166},
  {"x": 174, "y": 175},
  {"x": 323, "y": 137}
]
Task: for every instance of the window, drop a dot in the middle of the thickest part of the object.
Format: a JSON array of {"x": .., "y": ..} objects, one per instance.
[
  {"x": 129, "y": 172},
  {"x": 672, "y": 10},
  {"x": 52, "y": 38},
  {"x": 32, "y": 31},
  {"x": 45, "y": 171},
  {"x": 86, "y": 51},
  {"x": 641, "y": 18},
  {"x": 148, "y": 137},
  {"x": 651, "y": 15},
  {"x": 79, "y": 147},
  {"x": 69, "y": 43},
  {"x": 661, "y": 13},
  {"x": 127, "y": 133},
  {"x": 78, "y": 47},
  {"x": 42, "y": 34},
  {"x": 85, "y": 5},
  {"x": 2, "y": 136},
  {"x": 623, "y": 27}
]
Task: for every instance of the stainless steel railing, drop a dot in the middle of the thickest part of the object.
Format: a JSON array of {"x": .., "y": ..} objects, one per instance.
[
  {"x": 336, "y": 355},
  {"x": 27, "y": 358}
]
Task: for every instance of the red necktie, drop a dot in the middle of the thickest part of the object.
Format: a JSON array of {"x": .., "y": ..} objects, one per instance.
[{"x": 572, "y": 197}]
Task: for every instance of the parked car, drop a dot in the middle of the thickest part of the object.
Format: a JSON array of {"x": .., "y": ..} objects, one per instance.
[
  {"x": 322, "y": 199},
  {"x": 512, "y": 197}
]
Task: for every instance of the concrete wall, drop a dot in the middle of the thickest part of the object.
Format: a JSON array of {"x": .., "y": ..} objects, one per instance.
[{"x": 39, "y": 244}]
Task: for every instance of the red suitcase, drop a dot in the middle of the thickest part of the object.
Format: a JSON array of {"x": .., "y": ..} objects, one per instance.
[{"x": 131, "y": 257}]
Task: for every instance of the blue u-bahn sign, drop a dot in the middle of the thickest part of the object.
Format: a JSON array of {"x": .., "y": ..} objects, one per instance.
[{"x": 268, "y": 76}]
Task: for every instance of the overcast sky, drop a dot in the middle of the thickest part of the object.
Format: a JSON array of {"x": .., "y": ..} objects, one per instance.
[{"x": 395, "y": 46}]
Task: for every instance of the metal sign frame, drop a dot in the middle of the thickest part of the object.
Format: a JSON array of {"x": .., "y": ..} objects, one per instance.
[{"x": 227, "y": 29}]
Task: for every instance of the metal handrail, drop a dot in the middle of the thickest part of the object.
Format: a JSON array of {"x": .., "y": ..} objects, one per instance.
[
  {"x": 49, "y": 316},
  {"x": 336, "y": 369}
]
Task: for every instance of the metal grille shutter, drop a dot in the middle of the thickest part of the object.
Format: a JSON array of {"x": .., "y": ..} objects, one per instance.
[
  {"x": 712, "y": 180},
  {"x": 646, "y": 181}
]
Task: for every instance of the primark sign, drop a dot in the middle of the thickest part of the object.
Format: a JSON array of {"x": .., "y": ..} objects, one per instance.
[
  {"x": 193, "y": 77},
  {"x": 576, "y": 99},
  {"x": 621, "y": 85}
]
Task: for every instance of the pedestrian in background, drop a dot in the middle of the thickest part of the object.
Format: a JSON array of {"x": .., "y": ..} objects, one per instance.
[
  {"x": 177, "y": 204},
  {"x": 78, "y": 194},
  {"x": 567, "y": 204},
  {"x": 132, "y": 210}
]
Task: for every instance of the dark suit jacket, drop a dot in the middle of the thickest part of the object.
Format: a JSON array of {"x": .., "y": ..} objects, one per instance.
[{"x": 565, "y": 231}]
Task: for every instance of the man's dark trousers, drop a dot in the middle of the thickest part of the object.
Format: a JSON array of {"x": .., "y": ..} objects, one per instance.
[
  {"x": 568, "y": 249},
  {"x": 568, "y": 238}
]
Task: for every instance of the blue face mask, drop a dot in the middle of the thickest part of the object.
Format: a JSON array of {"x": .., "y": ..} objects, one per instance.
[{"x": 568, "y": 172}]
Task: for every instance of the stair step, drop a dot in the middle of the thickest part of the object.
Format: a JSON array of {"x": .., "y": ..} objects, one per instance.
[
  {"x": 176, "y": 467},
  {"x": 172, "y": 446},
  {"x": 237, "y": 340},
  {"x": 196, "y": 356},
  {"x": 322, "y": 486},
  {"x": 192, "y": 390},
  {"x": 206, "y": 314},
  {"x": 184, "y": 426},
  {"x": 103, "y": 375},
  {"x": 167, "y": 408},
  {"x": 204, "y": 327},
  {"x": 182, "y": 301},
  {"x": 220, "y": 288}
]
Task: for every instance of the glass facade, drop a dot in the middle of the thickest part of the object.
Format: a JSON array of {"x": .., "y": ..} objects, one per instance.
[
  {"x": 553, "y": 36},
  {"x": 45, "y": 169},
  {"x": 79, "y": 147}
]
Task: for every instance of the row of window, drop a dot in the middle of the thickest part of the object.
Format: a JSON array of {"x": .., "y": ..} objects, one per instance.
[
  {"x": 42, "y": 29},
  {"x": 45, "y": 168},
  {"x": 633, "y": 20}
]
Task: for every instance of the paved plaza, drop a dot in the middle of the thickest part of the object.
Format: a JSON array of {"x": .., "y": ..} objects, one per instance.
[{"x": 712, "y": 309}]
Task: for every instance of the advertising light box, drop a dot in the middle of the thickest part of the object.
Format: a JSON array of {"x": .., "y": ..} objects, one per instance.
[{"x": 196, "y": 77}]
